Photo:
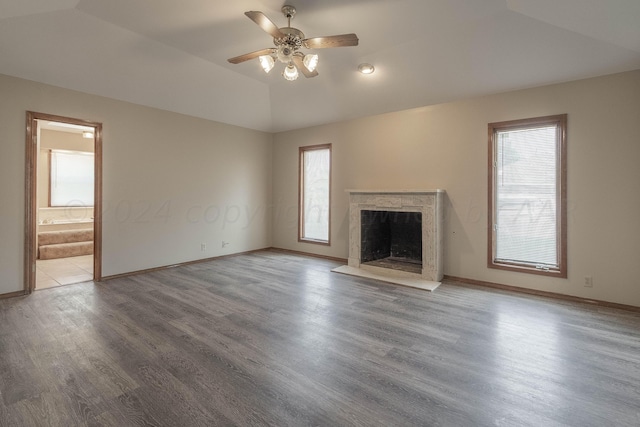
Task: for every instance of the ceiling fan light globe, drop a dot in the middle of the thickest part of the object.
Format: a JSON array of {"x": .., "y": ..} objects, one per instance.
[
  {"x": 310, "y": 61},
  {"x": 290, "y": 73},
  {"x": 266, "y": 62}
]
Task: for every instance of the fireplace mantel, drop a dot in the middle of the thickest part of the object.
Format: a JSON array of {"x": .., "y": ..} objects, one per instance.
[
  {"x": 428, "y": 202},
  {"x": 395, "y": 191}
]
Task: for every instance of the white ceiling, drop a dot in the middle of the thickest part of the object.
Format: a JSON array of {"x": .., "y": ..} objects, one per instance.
[{"x": 173, "y": 54}]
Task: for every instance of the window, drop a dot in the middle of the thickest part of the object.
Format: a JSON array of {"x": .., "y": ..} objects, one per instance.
[
  {"x": 527, "y": 196},
  {"x": 71, "y": 178},
  {"x": 315, "y": 194}
]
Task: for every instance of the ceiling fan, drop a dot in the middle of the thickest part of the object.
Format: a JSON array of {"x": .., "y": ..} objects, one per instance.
[{"x": 288, "y": 42}]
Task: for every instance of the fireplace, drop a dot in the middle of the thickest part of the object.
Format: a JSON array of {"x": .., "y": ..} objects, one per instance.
[
  {"x": 397, "y": 233},
  {"x": 391, "y": 239}
]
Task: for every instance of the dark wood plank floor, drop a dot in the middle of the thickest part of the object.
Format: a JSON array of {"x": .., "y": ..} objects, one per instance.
[{"x": 277, "y": 339}]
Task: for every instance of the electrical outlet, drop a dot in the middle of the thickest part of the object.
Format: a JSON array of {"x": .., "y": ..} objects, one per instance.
[
  {"x": 203, "y": 247},
  {"x": 588, "y": 282}
]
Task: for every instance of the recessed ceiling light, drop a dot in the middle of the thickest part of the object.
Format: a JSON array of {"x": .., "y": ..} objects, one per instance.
[{"x": 365, "y": 68}]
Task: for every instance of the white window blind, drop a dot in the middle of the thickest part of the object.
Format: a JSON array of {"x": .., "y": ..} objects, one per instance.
[
  {"x": 316, "y": 166},
  {"x": 72, "y": 175},
  {"x": 526, "y": 195}
]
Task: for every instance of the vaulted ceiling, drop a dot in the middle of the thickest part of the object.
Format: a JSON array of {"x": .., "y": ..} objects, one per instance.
[{"x": 173, "y": 54}]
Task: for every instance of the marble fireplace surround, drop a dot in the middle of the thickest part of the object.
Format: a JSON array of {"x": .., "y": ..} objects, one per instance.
[{"x": 429, "y": 203}]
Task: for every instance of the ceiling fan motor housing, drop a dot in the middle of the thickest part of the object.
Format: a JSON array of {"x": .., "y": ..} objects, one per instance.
[{"x": 289, "y": 44}]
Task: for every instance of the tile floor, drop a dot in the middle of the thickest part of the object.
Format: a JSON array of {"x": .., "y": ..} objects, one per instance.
[{"x": 63, "y": 271}]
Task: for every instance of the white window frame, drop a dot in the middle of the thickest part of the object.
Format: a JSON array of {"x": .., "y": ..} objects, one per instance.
[{"x": 56, "y": 180}]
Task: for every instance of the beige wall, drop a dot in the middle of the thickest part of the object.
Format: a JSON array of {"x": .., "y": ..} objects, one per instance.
[
  {"x": 445, "y": 146},
  {"x": 171, "y": 182},
  {"x": 60, "y": 140}
]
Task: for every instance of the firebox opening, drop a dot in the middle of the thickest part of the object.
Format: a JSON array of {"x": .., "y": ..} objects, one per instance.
[{"x": 391, "y": 239}]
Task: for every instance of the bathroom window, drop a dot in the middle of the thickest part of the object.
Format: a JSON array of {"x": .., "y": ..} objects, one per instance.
[{"x": 71, "y": 178}]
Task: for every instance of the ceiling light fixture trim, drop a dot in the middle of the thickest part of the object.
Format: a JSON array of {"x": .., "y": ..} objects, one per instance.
[{"x": 366, "y": 68}]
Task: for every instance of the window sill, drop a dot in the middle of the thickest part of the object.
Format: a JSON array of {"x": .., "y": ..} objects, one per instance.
[
  {"x": 529, "y": 269},
  {"x": 315, "y": 242}
]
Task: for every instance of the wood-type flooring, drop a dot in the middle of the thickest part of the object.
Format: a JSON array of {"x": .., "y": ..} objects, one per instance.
[{"x": 277, "y": 339}]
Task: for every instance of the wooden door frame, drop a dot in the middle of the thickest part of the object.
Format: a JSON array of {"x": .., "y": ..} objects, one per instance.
[{"x": 31, "y": 202}]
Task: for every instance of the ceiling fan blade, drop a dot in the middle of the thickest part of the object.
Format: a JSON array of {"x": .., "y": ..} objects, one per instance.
[
  {"x": 331, "y": 41},
  {"x": 265, "y": 23},
  {"x": 297, "y": 59},
  {"x": 248, "y": 56}
]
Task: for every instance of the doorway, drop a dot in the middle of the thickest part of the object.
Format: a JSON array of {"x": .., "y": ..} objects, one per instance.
[{"x": 63, "y": 221}]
